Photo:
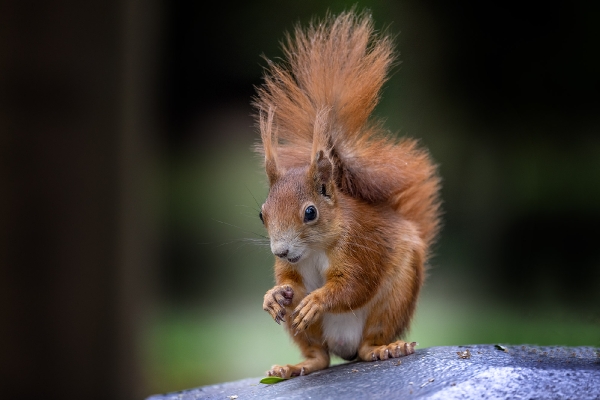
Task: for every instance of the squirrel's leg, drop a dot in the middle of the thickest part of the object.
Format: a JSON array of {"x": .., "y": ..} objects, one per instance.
[
  {"x": 279, "y": 302},
  {"x": 390, "y": 317},
  {"x": 387, "y": 321},
  {"x": 312, "y": 348},
  {"x": 380, "y": 331}
]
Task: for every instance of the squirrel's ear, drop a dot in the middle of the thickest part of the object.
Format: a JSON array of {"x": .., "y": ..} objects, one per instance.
[
  {"x": 321, "y": 170},
  {"x": 271, "y": 169},
  {"x": 321, "y": 166},
  {"x": 269, "y": 146}
]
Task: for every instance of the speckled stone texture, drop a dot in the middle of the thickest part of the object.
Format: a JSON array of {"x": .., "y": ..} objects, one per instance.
[{"x": 482, "y": 372}]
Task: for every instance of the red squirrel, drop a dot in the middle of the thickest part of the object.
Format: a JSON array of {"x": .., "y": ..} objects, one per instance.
[{"x": 351, "y": 212}]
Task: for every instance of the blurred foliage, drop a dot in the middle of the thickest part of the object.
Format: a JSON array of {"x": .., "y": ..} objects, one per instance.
[{"x": 515, "y": 131}]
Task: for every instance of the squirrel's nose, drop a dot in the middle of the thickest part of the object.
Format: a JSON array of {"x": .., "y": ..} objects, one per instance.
[{"x": 282, "y": 253}]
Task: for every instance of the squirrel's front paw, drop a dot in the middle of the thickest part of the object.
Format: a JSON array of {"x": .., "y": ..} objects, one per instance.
[
  {"x": 308, "y": 311},
  {"x": 276, "y": 300}
]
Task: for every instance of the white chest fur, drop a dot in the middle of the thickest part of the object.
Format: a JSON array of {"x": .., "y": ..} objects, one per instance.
[
  {"x": 341, "y": 331},
  {"x": 313, "y": 269}
]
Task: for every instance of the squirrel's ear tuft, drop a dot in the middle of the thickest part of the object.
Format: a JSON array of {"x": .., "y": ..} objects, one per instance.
[{"x": 269, "y": 145}]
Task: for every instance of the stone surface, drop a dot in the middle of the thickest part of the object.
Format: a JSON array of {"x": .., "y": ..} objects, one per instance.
[{"x": 484, "y": 371}]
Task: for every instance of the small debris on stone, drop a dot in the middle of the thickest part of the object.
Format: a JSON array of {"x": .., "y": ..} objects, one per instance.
[
  {"x": 464, "y": 354},
  {"x": 500, "y": 347},
  {"x": 233, "y": 397},
  {"x": 428, "y": 382},
  {"x": 354, "y": 370},
  {"x": 398, "y": 363}
]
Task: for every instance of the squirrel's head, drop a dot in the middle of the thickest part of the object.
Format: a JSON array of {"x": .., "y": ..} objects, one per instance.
[{"x": 300, "y": 211}]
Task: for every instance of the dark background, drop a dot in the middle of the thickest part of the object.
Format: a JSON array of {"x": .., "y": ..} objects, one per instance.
[{"x": 125, "y": 131}]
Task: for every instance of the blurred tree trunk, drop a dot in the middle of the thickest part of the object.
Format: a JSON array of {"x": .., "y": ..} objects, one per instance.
[{"x": 76, "y": 152}]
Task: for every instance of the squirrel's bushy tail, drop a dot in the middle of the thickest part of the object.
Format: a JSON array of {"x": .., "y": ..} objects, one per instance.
[
  {"x": 332, "y": 76},
  {"x": 333, "y": 64}
]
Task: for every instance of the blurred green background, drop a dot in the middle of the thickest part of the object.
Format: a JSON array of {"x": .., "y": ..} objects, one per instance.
[
  {"x": 127, "y": 165},
  {"x": 504, "y": 99}
]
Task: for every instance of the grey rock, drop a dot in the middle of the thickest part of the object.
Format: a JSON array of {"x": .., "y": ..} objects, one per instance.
[{"x": 484, "y": 372}]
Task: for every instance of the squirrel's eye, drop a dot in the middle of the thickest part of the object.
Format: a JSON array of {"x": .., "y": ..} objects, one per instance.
[
  {"x": 261, "y": 217},
  {"x": 310, "y": 213}
]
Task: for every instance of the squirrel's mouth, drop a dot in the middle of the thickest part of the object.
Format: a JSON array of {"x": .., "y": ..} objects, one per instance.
[{"x": 295, "y": 259}]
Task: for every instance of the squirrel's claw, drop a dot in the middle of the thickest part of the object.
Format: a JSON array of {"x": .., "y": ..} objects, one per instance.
[
  {"x": 276, "y": 300},
  {"x": 307, "y": 312},
  {"x": 279, "y": 317}
]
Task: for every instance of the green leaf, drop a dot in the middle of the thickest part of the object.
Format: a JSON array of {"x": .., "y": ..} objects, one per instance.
[{"x": 269, "y": 380}]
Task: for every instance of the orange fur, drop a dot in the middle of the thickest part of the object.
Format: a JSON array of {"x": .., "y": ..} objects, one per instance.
[{"x": 351, "y": 213}]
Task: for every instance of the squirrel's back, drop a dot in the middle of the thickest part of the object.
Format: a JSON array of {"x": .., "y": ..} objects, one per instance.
[{"x": 328, "y": 85}]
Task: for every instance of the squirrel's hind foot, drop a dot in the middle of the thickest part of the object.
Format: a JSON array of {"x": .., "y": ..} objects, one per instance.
[
  {"x": 287, "y": 371},
  {"x": 392, "y": 350},
  {"x": 317, "y": 358},
  {"x": 303, "y": 368}
]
